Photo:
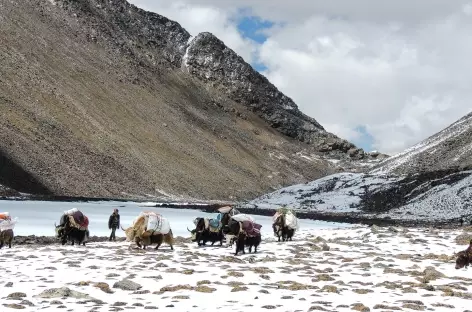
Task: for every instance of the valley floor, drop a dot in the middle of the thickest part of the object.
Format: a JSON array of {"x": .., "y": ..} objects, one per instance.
[{"x": 360, "y": 268}]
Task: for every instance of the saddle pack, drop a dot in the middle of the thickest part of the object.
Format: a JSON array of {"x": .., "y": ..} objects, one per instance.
[{"x": 251, "y": 228}]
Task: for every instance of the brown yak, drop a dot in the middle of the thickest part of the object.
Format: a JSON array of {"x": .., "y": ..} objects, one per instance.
[
  {"x": 464, "y": 257},
  {"x": 147, "y": 239},
  {"x": 6, "y": 237}
]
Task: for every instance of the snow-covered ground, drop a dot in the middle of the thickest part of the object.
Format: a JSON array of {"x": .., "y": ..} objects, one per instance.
[{"x": 363, "y": 269}]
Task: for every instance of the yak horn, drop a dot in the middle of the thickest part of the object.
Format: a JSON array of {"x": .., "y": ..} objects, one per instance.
[
  {"x": 189, "y": 230},
  {"x": 122, "y": 228}
]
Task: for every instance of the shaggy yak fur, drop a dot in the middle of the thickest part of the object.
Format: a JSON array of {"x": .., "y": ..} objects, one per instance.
[
  {"x": 65, "y": 232},
  {"x": 147, "y": 239},
  {"x": 242, "y": 239},
  {"x": 202, "y": 235},
  {"x": 6, "y": 237},
  {"x": 464, "y": 258},
  {"x": 281, "y": 230}
]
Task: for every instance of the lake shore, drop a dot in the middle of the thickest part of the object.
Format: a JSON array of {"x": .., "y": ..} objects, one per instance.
[{"x": 212, "y": 207}]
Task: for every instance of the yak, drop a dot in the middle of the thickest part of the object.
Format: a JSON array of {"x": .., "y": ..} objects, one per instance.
[
  {"x": 203, "y": 234},
  {"x": 246, "y": 234},
  {"x": 281, "y": 230},
  {"x": 148, "y": 239},
  {"x": 6, "y": 237},
  {"x": 464, "y": 257},
  {"x": 66, "y": 232}
]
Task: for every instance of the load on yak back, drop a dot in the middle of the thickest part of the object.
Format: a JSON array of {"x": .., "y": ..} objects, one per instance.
[
  {"x": 244, "y": 231},
  {"x": 211, "y": 230},
  {"x": 73, "y": 227},
  {"x": 150, "y": 228},
  {"x": 284, "y": 224},
  {"x": 7, "y": 224}
]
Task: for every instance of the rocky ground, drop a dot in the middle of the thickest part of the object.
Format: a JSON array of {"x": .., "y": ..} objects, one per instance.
[{"x": 360, "y": 268}]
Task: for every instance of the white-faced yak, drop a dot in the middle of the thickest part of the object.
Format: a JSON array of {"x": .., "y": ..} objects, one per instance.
[
  {"x": 284, "y": 224},
  {"x": 207, "y": 230},
  {"x": 247, "y": 233}
]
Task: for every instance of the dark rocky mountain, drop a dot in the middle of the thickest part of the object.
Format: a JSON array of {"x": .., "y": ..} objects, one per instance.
[
  {"x": 103, "y": 99},
  {"x": 428, "y": 183}
]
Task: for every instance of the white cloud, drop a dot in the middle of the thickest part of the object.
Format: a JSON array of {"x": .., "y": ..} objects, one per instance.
[{"x": 402, "y": 69}]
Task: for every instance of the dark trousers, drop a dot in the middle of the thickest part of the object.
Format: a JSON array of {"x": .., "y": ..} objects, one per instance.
[{"x": 112, "y": 235}]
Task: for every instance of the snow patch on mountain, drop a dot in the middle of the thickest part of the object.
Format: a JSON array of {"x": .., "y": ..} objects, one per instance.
[
  {"x": 429, "y": 146},
  {"x": 338, "y": 193},
  {"x": 437, "y": 199}
]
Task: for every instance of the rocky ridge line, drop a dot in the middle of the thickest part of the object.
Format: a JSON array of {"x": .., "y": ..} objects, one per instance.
[{"x": 208, "y": 59}]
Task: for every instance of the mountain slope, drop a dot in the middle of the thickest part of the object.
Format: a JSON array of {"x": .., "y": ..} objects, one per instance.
[
  {"x": 96, "y": 102},
  {"x": 448, "y": 148},
  {"x": 437, "y": 192}
]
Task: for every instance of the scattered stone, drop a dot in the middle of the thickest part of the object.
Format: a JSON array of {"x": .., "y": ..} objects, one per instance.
[
  {"x": 126, "y": 284},
  {"x": 204, "y": 289},
  {"x": 104, "y": 287},
  {"x": 63, "y": 292},
  {"x": 15, "y": 306},
  {"x": 360, "y": 307},
  {"x": 431, "y": 274},
  {"x": 16, "y": 296},
  {"x": 239, "y": 288},
  {"x": 119, "y": 304},
  {"x": 330, "y": 289}
]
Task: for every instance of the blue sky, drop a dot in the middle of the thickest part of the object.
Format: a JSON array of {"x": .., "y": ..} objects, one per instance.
[{"x": 252, "y": 27}]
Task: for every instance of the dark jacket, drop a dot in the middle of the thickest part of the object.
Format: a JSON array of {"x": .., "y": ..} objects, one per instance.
[{"x": 114, "y": 221}]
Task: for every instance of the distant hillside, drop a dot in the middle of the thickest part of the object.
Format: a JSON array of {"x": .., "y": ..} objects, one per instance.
[
  {"x": 102, "y": 99},
  {"x": 428, "y": 190},
  {"x": 451, "y": 147}
]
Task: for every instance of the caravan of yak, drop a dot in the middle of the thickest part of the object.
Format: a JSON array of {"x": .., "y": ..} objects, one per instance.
[{"x": 150, "y": 228}]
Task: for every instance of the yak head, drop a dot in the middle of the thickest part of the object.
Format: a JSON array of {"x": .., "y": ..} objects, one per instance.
[
  {"x": 130, "y": 233},
  {"x": 232, "y": 228},
  {"x": 193, "y": 233},
  {"x": 462, "y": 260},
  {"x": 279, "y": 223}
]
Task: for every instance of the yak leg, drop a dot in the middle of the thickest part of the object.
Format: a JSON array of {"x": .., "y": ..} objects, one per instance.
[
  {"x": 240, "y": 245},
  {"x": 1, "y": 244},
  {"x": 250, "y": 248},
  {"x": 157, "y": 247}
]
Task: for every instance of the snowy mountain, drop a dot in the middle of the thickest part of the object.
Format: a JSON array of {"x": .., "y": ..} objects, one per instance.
[
  {"x": 430, "y": 182},
  {"x": 450, "y": 147}
]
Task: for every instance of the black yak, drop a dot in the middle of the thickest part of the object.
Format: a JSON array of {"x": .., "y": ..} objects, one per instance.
[
  {"x": 246, "y": 233},
  {"x": 204, "y": 232}
]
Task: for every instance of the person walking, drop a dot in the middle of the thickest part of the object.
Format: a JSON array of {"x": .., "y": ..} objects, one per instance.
[{"x": 113, "y": 224}]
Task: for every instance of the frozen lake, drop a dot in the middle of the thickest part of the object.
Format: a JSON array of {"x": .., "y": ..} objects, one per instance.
[{"x": 38, "y": 217}]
